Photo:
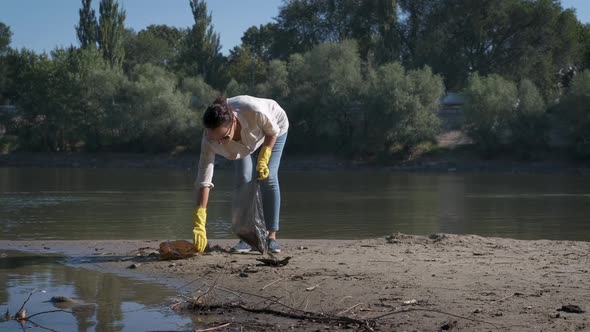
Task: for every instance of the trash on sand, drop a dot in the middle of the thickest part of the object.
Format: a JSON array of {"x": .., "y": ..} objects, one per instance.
[
  {"x": 273, "y": 261},
  {"x": 178, "y": 249},
  {"x": 571, "y": 308}
]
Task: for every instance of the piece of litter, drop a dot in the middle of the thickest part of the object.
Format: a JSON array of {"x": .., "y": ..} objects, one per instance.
[
  {"x": 409, "y": 302},
  {"x": 571, "y": 308}
]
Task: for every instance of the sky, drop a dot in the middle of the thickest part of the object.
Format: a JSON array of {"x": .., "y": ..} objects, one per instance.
[{"x": 43, "y": 25}]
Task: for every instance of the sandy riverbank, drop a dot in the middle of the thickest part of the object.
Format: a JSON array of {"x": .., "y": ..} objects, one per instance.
[{"x": 442, "y": 282}]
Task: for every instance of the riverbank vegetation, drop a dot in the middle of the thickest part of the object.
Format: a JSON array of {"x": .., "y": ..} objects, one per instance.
[{"x": 363, "y": 79}]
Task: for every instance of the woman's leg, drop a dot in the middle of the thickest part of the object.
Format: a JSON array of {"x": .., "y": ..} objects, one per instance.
[
  {"x": 242, "y": 171},
  {"x": 271, "y": 194},
  {"x": 242, "y": 176}
]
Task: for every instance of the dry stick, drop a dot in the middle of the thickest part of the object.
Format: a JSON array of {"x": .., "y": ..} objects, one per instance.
[
  {"x": 306, "y": 304},
  {"x": 344, "y": 298},
  {"x": 347, "y": 310},
  {"x": 305, "y": 315},
  {"x": 204, "y": 275},
  {"x": 213, "y": 328},
  {"x": 209, "y": 289},
  {"x": 227, "y": 290},
  {"x": 41, "y": 326},
  {"x": 214, "y": 284},
  {"x": 262, "y": 297},
  {"x": 433, "y": 310},
  {"x": 304, "y": 299},
  {"x": 271, "y": 283},
  {"x": 28, "y": 298}
]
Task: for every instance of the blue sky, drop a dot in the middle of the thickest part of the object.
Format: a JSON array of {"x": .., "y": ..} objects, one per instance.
[{"x": 42, "y": 25}]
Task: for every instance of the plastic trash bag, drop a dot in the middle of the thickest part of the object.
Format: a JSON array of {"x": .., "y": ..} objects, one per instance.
[
  {"x": 179, "y": 249},
  {"x": 248, "y": 216}
]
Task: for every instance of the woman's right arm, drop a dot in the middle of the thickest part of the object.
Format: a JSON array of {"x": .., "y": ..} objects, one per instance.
[
  {"x": 203, "y": 197},
  {"x": 204, "y": 184},
  {"x": 204, "y": 180}
]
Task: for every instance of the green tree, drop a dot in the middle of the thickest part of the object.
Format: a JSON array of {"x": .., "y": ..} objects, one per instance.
[
  {"x": 234, "y": 88},
  {"x": 276, "y": 85},
  {"x": 585, "y": 39},
  {"x": 260, "y": 41},
  {"x": 324, "y": 95},
  {"x": 202, "y": 94},
  {"x": 157, "y": 44},
  {"x": 302, "y": 24},
  {"x": 529, "y": 127},
  {"x": 201, "y": 50},
  {"x": 514, "y": 38},
  {"x": 100, "y": 87},
  {"x": 246, "y": 67},
  {"x": 86, "y": 30},
  {"x": 111, "y": 28},
  {"x": 574, "y": 111},
  {"x": 490, "y": 107},
  {"x": 402, "y": 107},
  {"x": 154, "y": 115},
  {"x": 5, "y": 38}
]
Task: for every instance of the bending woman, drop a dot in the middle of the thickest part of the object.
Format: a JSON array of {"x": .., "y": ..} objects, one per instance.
[{"x": 246, "y": 130}]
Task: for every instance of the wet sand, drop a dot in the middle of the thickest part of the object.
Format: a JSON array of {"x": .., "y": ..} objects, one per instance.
[{"x": 400, "y": 283}]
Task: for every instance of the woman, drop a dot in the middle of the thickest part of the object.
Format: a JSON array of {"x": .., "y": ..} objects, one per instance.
[{"x": 240, "y": 129}]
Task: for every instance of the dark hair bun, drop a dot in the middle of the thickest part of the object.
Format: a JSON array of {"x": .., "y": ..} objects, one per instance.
[{"x": 217, "y": 114}]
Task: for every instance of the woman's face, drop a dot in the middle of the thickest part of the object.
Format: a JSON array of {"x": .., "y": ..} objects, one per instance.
[{"x": 222, "y": 134}]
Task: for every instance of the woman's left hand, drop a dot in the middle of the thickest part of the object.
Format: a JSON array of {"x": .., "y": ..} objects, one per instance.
[{"x": 262, "y": 165}]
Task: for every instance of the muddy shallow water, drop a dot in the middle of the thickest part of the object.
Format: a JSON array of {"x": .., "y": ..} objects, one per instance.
[{"x": 100, "y": 301}]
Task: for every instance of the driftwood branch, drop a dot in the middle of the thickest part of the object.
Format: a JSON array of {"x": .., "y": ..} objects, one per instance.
[
  {"x": 302, "y": 315},
  {"x": 213, "y": 328},
  {"x": 434, "y": 310},
  {"x": 28, "y": 298}
]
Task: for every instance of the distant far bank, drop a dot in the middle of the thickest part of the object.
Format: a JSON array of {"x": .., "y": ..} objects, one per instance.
[{"x": 444, "y": 161}]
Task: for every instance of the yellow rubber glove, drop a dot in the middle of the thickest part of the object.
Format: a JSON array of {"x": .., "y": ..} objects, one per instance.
[
  {"x": 262, "y": 165},
  {"x": 199, "y": 232}
]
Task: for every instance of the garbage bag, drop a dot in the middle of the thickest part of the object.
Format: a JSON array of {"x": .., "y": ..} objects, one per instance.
[
  {"x": 179, "y": 249},
  {"x": 248, "y": 216}
]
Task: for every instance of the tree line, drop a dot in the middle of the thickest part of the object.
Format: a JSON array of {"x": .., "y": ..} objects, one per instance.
[{"x": 360, "y": 77}]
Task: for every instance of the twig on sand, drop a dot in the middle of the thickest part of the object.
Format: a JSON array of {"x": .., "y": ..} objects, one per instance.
[
  {"x": 366, "y": 323},
  {"x": 309, "y": 289},
  {"x": 434, "y": 310},
  {"x": 228, "y": 290},
  {"x": 303, "y": 315},
  {"x": 347, "y": 310},
  {"x": 271, "y": 283},
  {"x": 213, "y": 328},
  {"x": 195, "y": 280}
]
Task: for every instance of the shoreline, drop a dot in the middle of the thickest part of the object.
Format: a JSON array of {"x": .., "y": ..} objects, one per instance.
[
  {"x": 419, "y": 282},
  {"x": 446, "y": 163}
]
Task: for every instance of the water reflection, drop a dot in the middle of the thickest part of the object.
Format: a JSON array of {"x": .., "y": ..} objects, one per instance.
[
  {"x": 103, "y": 301},
  {"x": 156, "y": 204}
]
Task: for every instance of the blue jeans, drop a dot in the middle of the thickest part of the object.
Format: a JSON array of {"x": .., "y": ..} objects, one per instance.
[{"x": 245, "y": 171}]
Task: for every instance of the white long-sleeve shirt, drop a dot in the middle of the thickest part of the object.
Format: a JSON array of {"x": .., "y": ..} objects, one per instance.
[{"x": 258, "y": 118}]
